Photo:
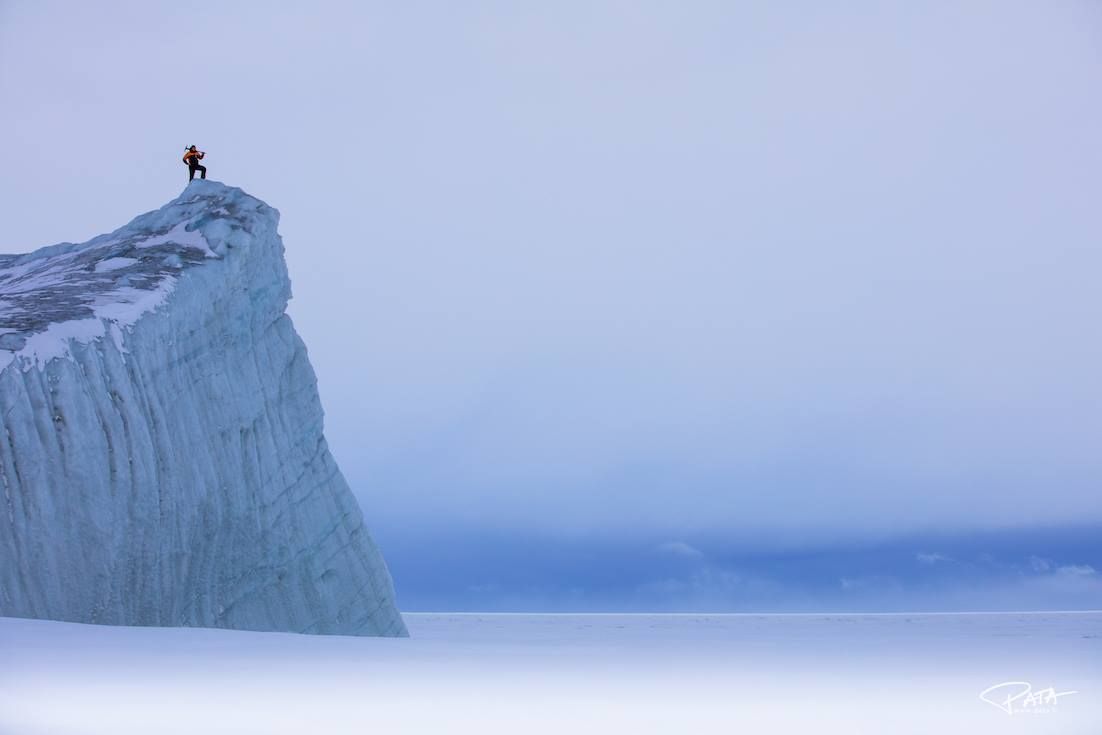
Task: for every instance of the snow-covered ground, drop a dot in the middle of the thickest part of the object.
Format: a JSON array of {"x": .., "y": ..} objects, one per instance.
[{"x": 530, "y": 673}]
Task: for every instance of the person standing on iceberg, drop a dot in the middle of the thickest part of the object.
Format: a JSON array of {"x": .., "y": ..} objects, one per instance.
[{"x": 192, "y": 158}]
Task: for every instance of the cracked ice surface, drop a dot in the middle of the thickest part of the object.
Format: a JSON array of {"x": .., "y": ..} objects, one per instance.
[{"x": 162, "y": 460}]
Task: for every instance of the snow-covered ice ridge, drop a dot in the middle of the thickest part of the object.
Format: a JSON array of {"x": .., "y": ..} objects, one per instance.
[{"x": 162, "y": 459}]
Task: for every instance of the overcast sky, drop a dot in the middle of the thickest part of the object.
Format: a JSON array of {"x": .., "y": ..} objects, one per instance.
[{"x": 781, "y": 271}]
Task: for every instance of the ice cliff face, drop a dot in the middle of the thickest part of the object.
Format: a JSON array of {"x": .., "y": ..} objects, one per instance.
[{"x": 162, "y": 459}]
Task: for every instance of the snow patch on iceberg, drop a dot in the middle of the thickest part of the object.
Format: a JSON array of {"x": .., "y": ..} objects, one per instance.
[{"x": 65, "y": 294}]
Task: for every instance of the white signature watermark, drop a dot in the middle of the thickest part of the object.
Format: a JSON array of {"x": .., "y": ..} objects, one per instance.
[{"x": 1019, "y": 696}]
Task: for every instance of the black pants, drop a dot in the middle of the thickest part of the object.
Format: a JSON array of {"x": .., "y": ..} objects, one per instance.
[{"x": 196, "y": 167}]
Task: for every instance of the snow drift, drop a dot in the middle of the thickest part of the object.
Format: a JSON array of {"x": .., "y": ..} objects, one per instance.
[{"x": 162, "y": 459}]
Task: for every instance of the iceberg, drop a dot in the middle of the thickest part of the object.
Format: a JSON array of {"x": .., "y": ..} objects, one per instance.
[{"x": 162, "y": 460}]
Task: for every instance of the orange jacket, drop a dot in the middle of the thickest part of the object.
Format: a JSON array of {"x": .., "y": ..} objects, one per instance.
[{"x": 193, "y": 154}]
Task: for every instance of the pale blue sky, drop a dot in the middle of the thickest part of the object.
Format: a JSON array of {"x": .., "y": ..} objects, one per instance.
[{"x": 796, "y": 272}]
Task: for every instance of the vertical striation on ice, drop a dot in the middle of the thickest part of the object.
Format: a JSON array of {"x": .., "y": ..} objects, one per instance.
[{"x": 162, "y": 460}]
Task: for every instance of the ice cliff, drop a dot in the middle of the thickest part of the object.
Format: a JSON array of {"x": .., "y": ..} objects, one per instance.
[{"x": 162, "y": 459}]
